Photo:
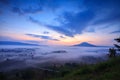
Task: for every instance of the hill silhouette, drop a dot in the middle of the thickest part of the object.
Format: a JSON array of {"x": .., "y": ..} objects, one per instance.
[
  {"x": 85, "y": 44},
  {"x": 16, "y": 43}
]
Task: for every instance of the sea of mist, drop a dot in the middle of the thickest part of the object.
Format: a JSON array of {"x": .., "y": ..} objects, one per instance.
[{"x": 12, "y": 57}]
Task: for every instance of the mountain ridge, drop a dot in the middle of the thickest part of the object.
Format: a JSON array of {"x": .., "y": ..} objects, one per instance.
[
  {"x": 17, "y": 43},
  {"x": 85, "y": 44}
]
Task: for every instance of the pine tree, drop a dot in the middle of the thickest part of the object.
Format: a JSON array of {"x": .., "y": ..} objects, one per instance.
[
  {"x": 116, "y": 45},
  {"x": 112, "y": 51}
]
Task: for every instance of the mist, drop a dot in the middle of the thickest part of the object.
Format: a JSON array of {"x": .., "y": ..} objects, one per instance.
[{"x": 12, "y": 57}]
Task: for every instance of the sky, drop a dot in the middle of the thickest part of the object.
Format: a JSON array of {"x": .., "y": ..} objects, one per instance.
[{"x": 60, "y": 22}]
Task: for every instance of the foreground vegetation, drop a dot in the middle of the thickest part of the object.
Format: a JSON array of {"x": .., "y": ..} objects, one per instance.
[{"x": 109, "y": 70}]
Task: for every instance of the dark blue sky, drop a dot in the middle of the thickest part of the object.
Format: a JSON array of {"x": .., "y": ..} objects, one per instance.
[{"x": 60, "y": 21}]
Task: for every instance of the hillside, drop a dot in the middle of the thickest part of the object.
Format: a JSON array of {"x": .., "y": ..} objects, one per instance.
[{"x": 109, "y": 70}]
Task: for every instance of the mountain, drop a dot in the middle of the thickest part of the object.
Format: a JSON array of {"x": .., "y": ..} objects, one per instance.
[
  {"x": 16, "y": 43},
  {"x": 85, "y": 44}
]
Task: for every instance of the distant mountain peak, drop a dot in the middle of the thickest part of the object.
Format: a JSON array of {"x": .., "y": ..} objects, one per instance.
[
  {"x": 85, "y": 44},
  {"x": 16, "y": 43}
]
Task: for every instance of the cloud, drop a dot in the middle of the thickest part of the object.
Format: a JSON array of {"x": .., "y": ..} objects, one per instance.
[
  {"x": 54, "y": 39},
  {"x": 29, "y": 10},
  {"x": 73, "y": 24},
  {"x": 17, "y": 10},
  {"x": 42, "y": 36},
  {"x": 74, "y": 16},
  {"x": 116, "y": 32},
  {"x": 76, "y": 23},
  {"x": 45, "y": 32},
  {"x": 62, "y": 37},
  {"x": 31, "y": 6},
  {"x": 60, "y": 30},
  {"x": 31, "y": 41},
  {"x": 35, "y": 21},
  {"x": 23, "y": 6},
  {"x": 107, "y": 10},
  {"x": 96, "y": 12}
]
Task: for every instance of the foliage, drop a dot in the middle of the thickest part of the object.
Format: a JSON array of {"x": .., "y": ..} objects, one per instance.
[
  {"x": 102, "y": 71},
  {"x": 108, "y": 70},
  {"x": 112, "y": 51},
  {"x": 116, "y": 45}
]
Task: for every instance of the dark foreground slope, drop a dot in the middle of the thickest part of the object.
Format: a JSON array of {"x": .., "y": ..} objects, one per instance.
[{"x": 109, "y": 70}]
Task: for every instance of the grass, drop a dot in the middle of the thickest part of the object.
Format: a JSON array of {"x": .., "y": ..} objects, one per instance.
[{"x": 108, "y": 70}]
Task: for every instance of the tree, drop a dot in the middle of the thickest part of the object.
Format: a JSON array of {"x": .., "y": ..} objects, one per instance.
[
  {"x": 112, "y": 51},
  {"x": 116, "y": 45}
]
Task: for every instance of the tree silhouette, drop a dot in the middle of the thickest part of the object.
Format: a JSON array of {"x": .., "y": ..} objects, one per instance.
[
  {"x": 116, "y": 45},
  {"x": 112, "y": 51}
]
